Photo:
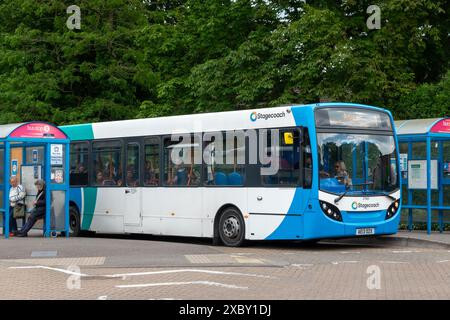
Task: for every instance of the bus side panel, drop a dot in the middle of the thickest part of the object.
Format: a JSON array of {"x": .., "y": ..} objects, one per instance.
[
  {"x": 172, "y": 211},
  {"x": 276, "y": 213},
  {"x": 109, "y": 210},
  {"x": 214, "y": 198}
]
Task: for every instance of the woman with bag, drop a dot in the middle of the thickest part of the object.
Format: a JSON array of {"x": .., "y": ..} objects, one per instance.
[
  {"x": 38, "y": 211},
  {"x": 16, "y": 205}
]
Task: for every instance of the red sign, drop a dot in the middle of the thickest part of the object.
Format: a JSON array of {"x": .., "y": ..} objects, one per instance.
[
  {"x": 442, "y": 126},
  {"x": 37, "y": 130}
]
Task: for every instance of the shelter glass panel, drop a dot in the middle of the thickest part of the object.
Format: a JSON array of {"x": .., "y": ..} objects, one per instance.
[{"x": 419, "y": 150}]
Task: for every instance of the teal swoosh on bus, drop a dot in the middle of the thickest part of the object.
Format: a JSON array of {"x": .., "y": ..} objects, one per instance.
[
  {"x": 79, "y": 131},
  {"x": 89, "y": 201}
]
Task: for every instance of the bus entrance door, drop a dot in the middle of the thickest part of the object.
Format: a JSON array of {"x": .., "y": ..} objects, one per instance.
[{"x": 133, "y": 192}]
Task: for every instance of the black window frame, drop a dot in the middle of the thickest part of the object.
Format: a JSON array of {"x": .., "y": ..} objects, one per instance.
[
  {"x": 88, "y": 164},
  {"x": 304, "y": 131}
]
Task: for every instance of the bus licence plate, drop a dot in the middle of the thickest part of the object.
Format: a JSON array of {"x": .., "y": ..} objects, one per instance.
[{"x": 365, "y": 231}]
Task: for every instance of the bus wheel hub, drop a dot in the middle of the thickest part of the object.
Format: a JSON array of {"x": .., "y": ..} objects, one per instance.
[{"x": 231, "y": 227}]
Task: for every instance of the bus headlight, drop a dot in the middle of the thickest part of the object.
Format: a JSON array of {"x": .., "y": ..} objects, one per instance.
[
  {"x": 330, "y": 210},
  {"x": 392, "y": 210}
]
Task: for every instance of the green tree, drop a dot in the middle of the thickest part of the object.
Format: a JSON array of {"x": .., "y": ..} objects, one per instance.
[{"x": 52, "y": 73}]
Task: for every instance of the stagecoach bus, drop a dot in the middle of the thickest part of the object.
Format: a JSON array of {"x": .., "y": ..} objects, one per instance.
[{"x": 297, "y": 172}]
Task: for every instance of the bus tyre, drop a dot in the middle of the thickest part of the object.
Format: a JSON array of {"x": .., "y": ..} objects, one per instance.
[
  {"x": 74, "y": 222},
  {"x": 232, "y": 228}
]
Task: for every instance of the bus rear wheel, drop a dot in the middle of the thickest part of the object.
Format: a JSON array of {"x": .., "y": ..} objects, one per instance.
[{"x": 232, "y": 228}]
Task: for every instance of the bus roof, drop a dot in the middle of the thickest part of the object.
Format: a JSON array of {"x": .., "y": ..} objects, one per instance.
[{"x": 281, "y": 116}]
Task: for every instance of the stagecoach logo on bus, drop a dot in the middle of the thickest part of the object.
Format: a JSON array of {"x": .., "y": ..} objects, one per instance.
[
  {"x": 265, "y": 116},
  {"x": 358, "y": 205}
]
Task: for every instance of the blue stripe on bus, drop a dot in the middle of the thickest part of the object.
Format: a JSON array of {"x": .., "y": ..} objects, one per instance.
[{"x": 292, "y": 225}]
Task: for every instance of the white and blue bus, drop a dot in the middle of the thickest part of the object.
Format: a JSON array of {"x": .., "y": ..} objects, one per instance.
[{"x": 336, "y": 174}]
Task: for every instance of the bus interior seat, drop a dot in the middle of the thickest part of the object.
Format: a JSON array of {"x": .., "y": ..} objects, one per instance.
[
  {"x": 220, "y": 179},
  {"x": 235, "y": 179}
]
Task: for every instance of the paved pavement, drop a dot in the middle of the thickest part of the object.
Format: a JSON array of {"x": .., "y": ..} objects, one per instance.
[
  {"x": 422, "y": 236},
  {"x": 119, "y": 267}
]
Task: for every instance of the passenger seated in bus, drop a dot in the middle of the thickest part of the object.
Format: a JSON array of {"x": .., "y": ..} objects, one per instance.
[
  {"x": 99, "y": 179},
  {"x": 150, "y": 178},
  {"x": 341, "y": 173},
  {"x": 185, "y": 176},
  {"x": 131, "y": 180},
  {"x": 81, "y": 169}
]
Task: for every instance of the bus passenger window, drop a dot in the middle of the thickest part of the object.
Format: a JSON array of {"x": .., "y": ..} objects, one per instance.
[
  {"x": 78, "y": 164},
  {"x": 225, "y": 159},
  {"x": 187, "y": 172},
  {"x": 151, "y": 168},
  {"x": 286, "y": 153},
  {"x": 132, "y": 174},
  {"x": 107, "y": 157}
]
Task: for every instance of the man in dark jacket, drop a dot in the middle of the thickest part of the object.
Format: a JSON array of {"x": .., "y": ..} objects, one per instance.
[{"x": 38, "y": 210}]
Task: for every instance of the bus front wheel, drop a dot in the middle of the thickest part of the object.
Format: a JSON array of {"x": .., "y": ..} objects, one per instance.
[{"x": 232, "y": 228}]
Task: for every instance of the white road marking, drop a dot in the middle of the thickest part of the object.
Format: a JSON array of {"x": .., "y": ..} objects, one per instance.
[
  {"x": 124, "y": 275},
  {"x": 346, "y": 252},
  {"x": 340, "y": 262},
  {"x": 121, "y": 275},
  {"x": 302, "y": 265},
  {"x": 53, "y": 269},
  {"x": 442, "y": 261},
  {"x": 206, "y": 283},
  {"x": 102, "y": 298},
  {"x": 404, "y": 251},
  {"x": 393, "y": 262}
]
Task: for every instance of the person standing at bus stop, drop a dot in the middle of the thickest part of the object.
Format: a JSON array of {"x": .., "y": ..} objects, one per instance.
[
  {"x": 38, "y": 211},
  {"x": 16, "y": 205}
]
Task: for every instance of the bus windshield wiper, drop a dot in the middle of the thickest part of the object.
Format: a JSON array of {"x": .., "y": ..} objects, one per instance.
[
  {"x": 388, "y": 195},
  {"x": 348, "y": 189}
]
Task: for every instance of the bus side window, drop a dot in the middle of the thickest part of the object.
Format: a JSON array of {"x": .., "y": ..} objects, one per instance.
[
  {"x": 107, "y": 157},
  {"x": 288, "y": 152},
  {"x": 307, "y": 160},
  {"x": 151, "y": 165},
  {"x": 79, "y": 164},
  {"x": 226, "y": 159},
  {"x": 186, "y": 173}
]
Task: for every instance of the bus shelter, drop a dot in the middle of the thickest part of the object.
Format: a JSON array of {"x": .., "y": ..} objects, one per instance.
[
  {"x": 425, "y": 168},
  {"x": 32, "y": 151}
]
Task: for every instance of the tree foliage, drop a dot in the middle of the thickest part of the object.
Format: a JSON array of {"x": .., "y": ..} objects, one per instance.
[{"x": 135, "y": 58}]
